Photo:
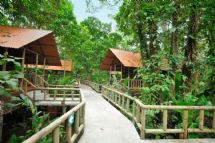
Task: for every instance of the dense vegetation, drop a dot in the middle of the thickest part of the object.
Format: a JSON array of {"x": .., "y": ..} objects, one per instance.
[
  {"x": 180, "y": 31},
  {"x": 183, "y": 33}
]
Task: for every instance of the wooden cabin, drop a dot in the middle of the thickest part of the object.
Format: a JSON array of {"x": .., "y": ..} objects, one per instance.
[
  {"x": 123, "y": 63},
  {"x": 32, "y": 46}
]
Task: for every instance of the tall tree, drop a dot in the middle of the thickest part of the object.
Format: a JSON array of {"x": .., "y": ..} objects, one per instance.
[{"x": 191, "y": 45}]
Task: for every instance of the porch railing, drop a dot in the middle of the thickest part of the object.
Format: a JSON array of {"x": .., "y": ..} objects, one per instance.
[
  {"x": 49, "y": 93},
  {"x": 135, "y": 83},
  {"x": 136, "y": 110}
]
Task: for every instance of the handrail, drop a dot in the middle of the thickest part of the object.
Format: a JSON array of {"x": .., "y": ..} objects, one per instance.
[
  {"x": 136, "y": 110},
  {"x": 54, "y": 127}
]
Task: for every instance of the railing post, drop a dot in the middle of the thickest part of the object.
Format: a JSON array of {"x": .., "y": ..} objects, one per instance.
[
  {"x": 113, "y": 96},
  {"x": 127, "y": 104},
  {"x": 56, "y": 135},
  {"x": 123, "y": 102},
  {"x": 165, "y": 116},
  {"x": 133, "y": 111},
  {"x": 72, "y": 92},
  {"x": 68, "y": 133},
  {"x": 185, "y": 124},
  {"x": 201, "y": 119},
  {"x": 119, "y": 99},
  {"x": 82, "y": 115},
  {"x": 138, "y": 113},
  {"x": 77, "y": 122},
  {"x": 143, "y": 122}
]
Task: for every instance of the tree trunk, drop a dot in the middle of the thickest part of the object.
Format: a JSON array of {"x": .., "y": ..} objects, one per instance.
[
  {"x": 140, "y": 31},
  {"x": 174, "y": 43},
  {"x": 174, "y": 37},
  {"x": 190, "y": 47},
  {"x": 152, "y": 37}
]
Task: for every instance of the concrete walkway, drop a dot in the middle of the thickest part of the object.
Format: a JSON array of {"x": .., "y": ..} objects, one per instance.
[{"x": 105, "y": 124}]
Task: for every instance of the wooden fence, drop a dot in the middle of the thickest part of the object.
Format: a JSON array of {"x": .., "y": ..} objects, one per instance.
[
  {"x": 136, "y": 110},
  {"x": 73, "y": 131}
]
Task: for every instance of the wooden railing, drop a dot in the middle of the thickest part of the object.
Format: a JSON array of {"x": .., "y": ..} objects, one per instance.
[
  {"x": 73, "y": 131},
  {"x": 49, "y": 94},
  {"x": 136, "y": 110},
  {"x": 40, "y": 81},
  {"x": 93, "y": 85},
  {"x": 135, "y": 83}
]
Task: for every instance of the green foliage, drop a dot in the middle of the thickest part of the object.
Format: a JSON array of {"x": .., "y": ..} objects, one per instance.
[
  {"x": 9, "y": 80},
  {"x": 59, "y": 79},
  {"x": 13, "y": 139},
  {"x": 38, "y": 119}
]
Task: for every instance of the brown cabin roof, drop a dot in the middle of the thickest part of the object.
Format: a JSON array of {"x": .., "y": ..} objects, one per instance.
[
  {"x": 66, "y": 66},
  {"x": 117, "y": 56},
  {"x": 39, "y": 41}
]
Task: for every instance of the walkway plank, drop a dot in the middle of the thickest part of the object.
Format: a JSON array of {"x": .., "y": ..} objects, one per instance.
[{"x": 105, "y": 124}]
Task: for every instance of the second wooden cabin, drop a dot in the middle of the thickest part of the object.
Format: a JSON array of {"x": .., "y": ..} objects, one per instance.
[{"x": 123, "y": 63}]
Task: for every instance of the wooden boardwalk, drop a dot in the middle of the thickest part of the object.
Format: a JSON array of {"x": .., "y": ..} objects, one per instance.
[{"x": 105, "y": 124}]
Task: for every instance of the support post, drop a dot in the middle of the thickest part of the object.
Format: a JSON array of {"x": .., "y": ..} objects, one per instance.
[
  {"x": 23, "y": 60},
  {"x": 165, "y": 116},
  {"x": 68, "y": 133},
  {"x": 4, "y": 66},
  {"x": 133, "y": 112},
  {"x": 201, "y": 119},
  {"x": 56, "y": 135},
  {"x": 44, "y": 70},
  {"x": 185, "y": 124},
  {"x": 77, "y": 122},
  {"x": 36, "y": 69},
  {"x": 143, "y": 122}
]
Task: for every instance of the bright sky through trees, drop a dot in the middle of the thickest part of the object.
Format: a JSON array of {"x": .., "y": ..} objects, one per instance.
[{"x": 103, "y": 14}]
